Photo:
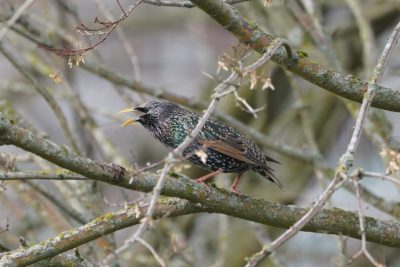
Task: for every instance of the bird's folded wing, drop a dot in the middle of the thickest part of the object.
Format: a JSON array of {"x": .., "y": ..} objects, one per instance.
[
  {"x": 227, "y": 143},
  {"x": 226, "y": 149}
]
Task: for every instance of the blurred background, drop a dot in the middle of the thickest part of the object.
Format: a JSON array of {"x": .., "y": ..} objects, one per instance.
[{"x": 167, "y": 51}]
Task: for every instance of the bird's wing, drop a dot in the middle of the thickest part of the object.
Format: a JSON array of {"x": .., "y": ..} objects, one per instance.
[
  {"x": 228, "y": 141},
  {"x": 216, "y": 137}
]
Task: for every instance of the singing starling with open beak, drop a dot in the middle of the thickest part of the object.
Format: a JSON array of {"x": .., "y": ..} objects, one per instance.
[{"x": 217, "y": 148}]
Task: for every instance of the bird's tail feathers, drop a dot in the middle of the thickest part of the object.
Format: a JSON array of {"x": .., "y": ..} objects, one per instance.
[
  {"x": 272, "y": 160},
  {"x": 269, "y": 174}
]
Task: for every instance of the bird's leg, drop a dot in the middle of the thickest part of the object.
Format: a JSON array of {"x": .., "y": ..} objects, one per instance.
[
  {"x": 202, "y": 179},
  {"x": 235, "y": 184}
]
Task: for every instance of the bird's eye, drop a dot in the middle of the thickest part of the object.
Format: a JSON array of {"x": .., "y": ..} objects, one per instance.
[{"x": 142, "y": 109}]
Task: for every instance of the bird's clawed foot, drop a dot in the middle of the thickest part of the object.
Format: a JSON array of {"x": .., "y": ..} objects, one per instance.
[
  {"x": 202, "y": 179},
  {"x": 234, "y": 190}
]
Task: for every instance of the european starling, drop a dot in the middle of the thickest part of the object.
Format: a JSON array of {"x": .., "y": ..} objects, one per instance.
[{"x": 218, "y": 147}]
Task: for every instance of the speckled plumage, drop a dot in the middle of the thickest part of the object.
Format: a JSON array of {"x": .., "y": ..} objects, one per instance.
[{"x": 226, "y": 149}]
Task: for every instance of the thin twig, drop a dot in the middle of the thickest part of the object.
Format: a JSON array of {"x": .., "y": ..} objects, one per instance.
[
  {"x": 107, "y": 27},
  {"x": 247, "y": 106},
  {"x": 153, "y": 251},
  {"x": 380, "y": 176},
  {"x": 363, "y": 249},
  {"x": 264, "y": 239}
]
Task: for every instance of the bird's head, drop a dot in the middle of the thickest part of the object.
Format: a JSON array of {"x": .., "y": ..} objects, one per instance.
[{"x": 153, "y": 113}]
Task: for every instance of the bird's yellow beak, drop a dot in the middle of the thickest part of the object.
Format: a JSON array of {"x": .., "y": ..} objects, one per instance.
[
  {"x": 126, "y": 110},
  {"x": 130, "y": 121}
]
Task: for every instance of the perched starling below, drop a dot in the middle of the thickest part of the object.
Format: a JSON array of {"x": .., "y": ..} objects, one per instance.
[{"x": 218, "y": 147}]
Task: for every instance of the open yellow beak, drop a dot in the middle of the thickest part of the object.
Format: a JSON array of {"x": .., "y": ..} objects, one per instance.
[
  {"x": 130, "y": 121},
  {"x": 126, "y": 110}
]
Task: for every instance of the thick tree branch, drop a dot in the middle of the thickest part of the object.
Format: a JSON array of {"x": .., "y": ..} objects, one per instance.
[
  {"x": 335, "y": 221},
  {"x": 248, "y": 33}
]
